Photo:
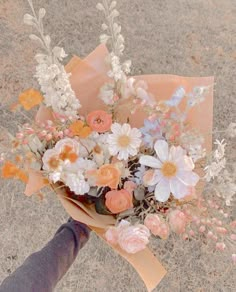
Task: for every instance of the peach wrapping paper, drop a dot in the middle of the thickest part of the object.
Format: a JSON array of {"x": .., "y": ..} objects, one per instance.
[{"x": 87, "y": 77}]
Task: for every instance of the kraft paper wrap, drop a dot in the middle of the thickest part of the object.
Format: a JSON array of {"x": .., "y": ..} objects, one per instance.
[{"x": 87, "y": 77}]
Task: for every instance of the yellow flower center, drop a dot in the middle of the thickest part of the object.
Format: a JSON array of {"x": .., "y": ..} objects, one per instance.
[
  {"x": 169, "y": 169},
  {"x": 124, "y": 141}
]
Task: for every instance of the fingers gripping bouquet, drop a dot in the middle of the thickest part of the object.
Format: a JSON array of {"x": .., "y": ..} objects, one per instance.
[{"x": 128, "y": 155}]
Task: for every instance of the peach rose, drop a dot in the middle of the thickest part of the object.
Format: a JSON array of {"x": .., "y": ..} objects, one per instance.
[
  {"x": 157, "y": 226},
  {"x": 133, "y": 239},
  {"x": 108, "y": 175},
  {"x": 99, "y": 121},
  {"x": 178, "y": 221},
  {"x": 118, "y": 201}
]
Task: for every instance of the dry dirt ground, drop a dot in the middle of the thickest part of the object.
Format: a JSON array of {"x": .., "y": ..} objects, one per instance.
[{"x": 183, "y": 37}]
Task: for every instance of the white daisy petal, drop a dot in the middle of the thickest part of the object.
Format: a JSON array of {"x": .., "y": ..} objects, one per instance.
[
  {"x": 176, "y": 153},
  {"x": 185, "y": 163},
  {"x": 136, "y": 133},
  {"x": 113, "y": 150},
  {"x": 157, "y": 177},
  {"x": 150, "y": 161},
  {"x": 132, "y": 150},
  {"x": 125, "y": 129},
  {"x": 116, "y": 128},
  {"x": 162, "y": 190},
  {"x": 189, "y": 178},
  {"x": 123, "y": 155},
  {"x": 178, "y": 189},
  {"x": 162, "y": 149}
]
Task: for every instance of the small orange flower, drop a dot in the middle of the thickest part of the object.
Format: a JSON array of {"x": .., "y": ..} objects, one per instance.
[
  {"x": 79, "y": 129},
  {"x": 119, "y": 201},
  {"x": 30, "y": 98},
  {"x": 108, "y": 175},
  {"x": 68, "y": 154},
  {"x": 10, "y": 170},
  {"x": 99, "y": 121}
]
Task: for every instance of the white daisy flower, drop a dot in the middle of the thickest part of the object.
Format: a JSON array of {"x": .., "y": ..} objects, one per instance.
[
  {"x": 172, "y": 171},
  {"x": 125, "y": 141}
]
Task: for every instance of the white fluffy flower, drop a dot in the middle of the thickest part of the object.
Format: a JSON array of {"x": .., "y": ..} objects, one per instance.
[
  {"x": 137, "y": 89},
  {"x": 70, "y": 144},
  {"x": 107, "y": 94},
  {"x": 125, "y": 141},
  {"x": 55, "y": 84},
  {"x": 101, "y": 154},
  {"x": 51, "y": 161},
  {"x": 77, "y": 183},
  {"x": 50, "y": 72},
  {"x": 74, "y": 175},
  {"x": 64, "y": 164},
  {"x": 116, "y": 72},
  {"x": 173, "y": 171}
]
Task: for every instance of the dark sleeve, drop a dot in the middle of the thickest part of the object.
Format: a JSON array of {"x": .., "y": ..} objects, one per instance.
[{"x": 42, "y": 270}]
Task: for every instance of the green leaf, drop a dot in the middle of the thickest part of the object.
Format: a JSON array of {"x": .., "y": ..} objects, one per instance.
[{"x": 100, "y": 206}]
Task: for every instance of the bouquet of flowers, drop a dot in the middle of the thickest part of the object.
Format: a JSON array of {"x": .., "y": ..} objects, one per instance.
[{"x": 129, "y": 156}]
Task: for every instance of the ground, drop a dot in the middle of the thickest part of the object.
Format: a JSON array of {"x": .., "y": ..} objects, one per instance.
[{"x": 183, "y": 37}]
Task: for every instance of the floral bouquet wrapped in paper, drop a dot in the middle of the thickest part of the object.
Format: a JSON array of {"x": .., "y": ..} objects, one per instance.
[{"x": 129, "y": 156}]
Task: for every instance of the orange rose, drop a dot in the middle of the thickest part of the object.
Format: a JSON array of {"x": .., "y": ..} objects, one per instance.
[
  {"x": 119, "y": 201},
  {"x": 108, "y": 175},
  {"x": 99, "y": 121}
]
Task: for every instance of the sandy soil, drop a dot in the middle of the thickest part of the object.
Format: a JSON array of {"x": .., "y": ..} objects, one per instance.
[{"x": 183, "y": 37}]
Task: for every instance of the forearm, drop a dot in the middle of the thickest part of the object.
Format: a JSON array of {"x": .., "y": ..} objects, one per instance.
[{"x": 42, "y": 270}]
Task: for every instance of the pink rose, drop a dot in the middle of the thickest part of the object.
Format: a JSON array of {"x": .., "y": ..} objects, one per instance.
[
  {"x": 130, "y": 186},
  {"x": 133, "y": 238},
  {"x": 111, "y": 235},
  {"x": 178, "y": 221},
  {"x": 157, "y": 226}
]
